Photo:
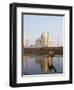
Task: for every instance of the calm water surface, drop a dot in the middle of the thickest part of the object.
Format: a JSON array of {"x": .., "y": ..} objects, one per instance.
[{"x": 42, "y": 64}]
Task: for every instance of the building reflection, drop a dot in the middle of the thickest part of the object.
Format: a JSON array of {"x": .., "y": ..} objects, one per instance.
[
  {"x": 25, "y": 64},
  {"x": 46, "y": 63}
]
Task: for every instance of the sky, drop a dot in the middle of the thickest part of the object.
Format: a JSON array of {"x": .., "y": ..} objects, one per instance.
[{"x": 34, "y": 25}]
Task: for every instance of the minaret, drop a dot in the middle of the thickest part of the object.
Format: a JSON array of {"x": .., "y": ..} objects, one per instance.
[
  {"x": 58, "y": 43},
  {"x": 26, "y": 40}
]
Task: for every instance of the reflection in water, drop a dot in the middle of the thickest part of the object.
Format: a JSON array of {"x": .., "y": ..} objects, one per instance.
[
  {"x": 46, "y": 63},
  {"x": 35, "y": 64}
]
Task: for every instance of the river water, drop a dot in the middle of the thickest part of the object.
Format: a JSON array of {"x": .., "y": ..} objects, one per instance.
[{"x": 42, "y": 64}]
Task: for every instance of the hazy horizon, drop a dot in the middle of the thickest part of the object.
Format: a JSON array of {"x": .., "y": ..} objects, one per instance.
[{"x": 34, "y": 25}]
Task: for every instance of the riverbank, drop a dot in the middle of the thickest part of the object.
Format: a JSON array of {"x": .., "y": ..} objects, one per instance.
[{"x": 44, "y": 50}]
